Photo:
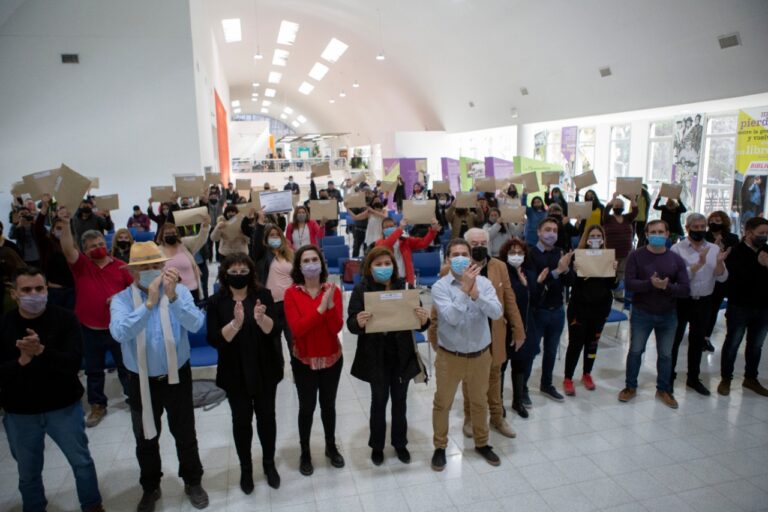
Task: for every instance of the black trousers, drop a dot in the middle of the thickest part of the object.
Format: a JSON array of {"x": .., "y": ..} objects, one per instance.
[
  {"x": 642, "y": 241},
  {"x": 521, "y": 372},
  {"x": 585, "y": 326},
  {"x": 358, "y": 240},
  {"x": 714, "y": 308},
  {"x": 203, "y": 279},
  {"x": 176, "y": 400},
  {"x": 243, "y": 408},
  {"x": 695, "y": 314},
  {"x": 281, "y": 326},
  {"x": 309, "y": 385},
  {"x": 381, "y": 392}
]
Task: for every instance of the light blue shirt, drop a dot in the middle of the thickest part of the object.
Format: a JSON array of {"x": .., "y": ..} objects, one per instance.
[
  {"x": 127, "y": 322},
  {"x": 462, "y": 323}
]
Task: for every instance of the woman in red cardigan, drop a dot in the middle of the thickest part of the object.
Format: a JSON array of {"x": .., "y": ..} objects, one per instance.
[
  {"x": 303, "y": 231},
  {"x": 313, "y": 312},
  {"x": 403, "y": 247}
]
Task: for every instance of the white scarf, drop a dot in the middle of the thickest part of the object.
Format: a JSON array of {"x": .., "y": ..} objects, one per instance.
[{"x": 147, "y": 415}]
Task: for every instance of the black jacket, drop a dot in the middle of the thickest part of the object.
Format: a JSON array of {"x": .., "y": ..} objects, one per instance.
[
  {"x": 747, "y": 278},
  {"x": 378, "y": 351}
]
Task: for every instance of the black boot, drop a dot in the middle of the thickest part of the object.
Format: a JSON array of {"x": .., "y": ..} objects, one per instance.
[
  {"x": 305, "y": 463},
  {"x": 246, "y": 478},
  {"x": 273, "y": 478},
  {"x": 518, "y": 386}
]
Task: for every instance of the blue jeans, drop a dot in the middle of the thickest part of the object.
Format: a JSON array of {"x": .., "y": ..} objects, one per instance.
[
  {"x": 26, "y": 438},
  {"x": 641, "y": 326},
  {"x": 96, "y": 342},
  {"x": 549, "y": 327},
  {"x": 740, "y": 320}
]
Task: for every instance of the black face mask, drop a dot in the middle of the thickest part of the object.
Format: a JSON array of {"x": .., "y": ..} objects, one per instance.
[
  {"x": 86, "y": 210},
  {"x": 697, "y": 236},
  {"x": 715, "y": 228},
  {"x": 123, "y": 244},
  {"x": 239, "y": 281},
  {"x": 618, "y": 211},
  {"x": 479, "y": 253},
  {"x": 461, "y": 211},
  {"x": 213, "y": 201},
  {"x": 538, "y": 208},
  {"x": 171, "y": 239}
]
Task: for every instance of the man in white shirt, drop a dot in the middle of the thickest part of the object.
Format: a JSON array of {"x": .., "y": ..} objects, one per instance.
[
  {"x": 464, "y": 301},
  {"x": 706, "y": 265}
]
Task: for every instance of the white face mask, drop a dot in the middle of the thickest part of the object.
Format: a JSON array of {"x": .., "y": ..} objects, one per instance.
[
  {"x": 515, "y": 260},
  {"x": 595, "y": 243}
]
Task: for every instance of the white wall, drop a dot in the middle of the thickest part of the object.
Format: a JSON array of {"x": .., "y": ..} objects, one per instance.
[
  {"x": 248, "y": 139},
  {"x": 126, "y": 113}
]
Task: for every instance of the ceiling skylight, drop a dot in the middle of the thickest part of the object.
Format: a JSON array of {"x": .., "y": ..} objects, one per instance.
[
  {"x": 265, "y": 110},
  {"x": 266, "y": 103},
  {"x": 318, "y": 71},
  {"x": 295, "y": 124},
  {"x": 301, "y": 119},
  {"x": 280, "y": 57},
  {"x": 283, "y": 116},
  {"x": 270, "y": 93},
  {"x": 237, "y": 110},
  {"x": 334, "y": 50},
  {"x": 232, "y": 32},
  {"x": 288, "y": 110},
  {"x": 274, "y": 77},
  {"x": 306, "y": 88},
  {"x": 236, "y": 103},
  {"x": 287, "y": 34}
]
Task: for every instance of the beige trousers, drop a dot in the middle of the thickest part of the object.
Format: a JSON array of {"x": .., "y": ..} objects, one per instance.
[{"x": 494, "y": 397}]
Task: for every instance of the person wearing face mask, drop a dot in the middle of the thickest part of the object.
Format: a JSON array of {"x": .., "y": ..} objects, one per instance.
[
  {"x": 180, "y": 252},
  {"x": 566, "y": 232},
  {"x": 643, "y": 208},
  {"x": 658, "y": 278},
  {"x": 61, "y": 283},
  {"x": 313, "y": 311},
  {"x": 97, "y": 277},
  {"x": 165, "y": 214},
  {"x": 464, "y": 301},
  {"x": 588, "y": 309},
  {"x": 523, "y": 280},
  {"x": 442, "y": 203},
  {"x": 499, "y": 231},
  {"x": 596, "y": 218},
  {"x": 402, "y": 247},
  {"x": 619, "y": 234},
  {"x": 706, "y": 267},
  {"x": 23, "y": 234},
  {"x": 553, "y": 274},
  {"x": 86, "y": 219},
  {"x": 303, "y": 230},
  {"x": 462, "y": 219},
  {"x": 556, "y": 197},
  {"x": 151, "y": 319},
  {"x": 241, "y": 328},
  {"x": 671, "y": 213},
  {"x": 718, "y": 233},
  {"x": 747, "y": 312},
  {"x": 228, "y": 234},
  {"x": 534, "y": 214},
  {"x": 386, "y": 360},
  {"x": 230, "y": 195},
  {"x": 375, "y": 215},
  {"x": 139, "y": 220},
  {"x": 40, "y": 353},
  {"x": 121, "y": 245}
]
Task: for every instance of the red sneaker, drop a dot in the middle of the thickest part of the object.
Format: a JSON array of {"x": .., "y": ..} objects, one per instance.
[
  {"x": 586, "y": 379},
  {"x": 568, "y": 387}
]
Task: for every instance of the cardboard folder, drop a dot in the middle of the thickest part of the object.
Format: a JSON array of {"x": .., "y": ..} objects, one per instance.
[
  {"x": 629, "y": 187},
  {"x": 107, "y": 203},
  {"x": 529, "y": 181},
  {"x": 212, "y": 178},
  {"x": 243, "y": 184},
  {"x": 485, "y": 185},
  {"x": 595, "y": 262},
  {"x": 70, "y": 188},
  {"x": 388, "y": 186},
  {"x": 39, "y": 183},
  {"x": 581, "y": 209},
  {"x": 189, "y": 186},
  {"x": 95, "y": 183},
  {"x": 320, "y": 209},
  {"x": 550, "y": 178},
  {"x": 585, "y": 180},
  {"x": 164, "y": 194},
  {"x": 191, "y": 216},
  {"x": 671, "y": 190},
  {"x": 321, "y": 169},
  {"x": 19, "y": 189},
  {"x": 392, "y": 310},
  {"x": 441, "y": 187},
  {"x": 355, "y": 200},
  {"x": 465, "y": 200},
  {"x": 419, "y": 212},
  {"x": 514, "y": 214}
]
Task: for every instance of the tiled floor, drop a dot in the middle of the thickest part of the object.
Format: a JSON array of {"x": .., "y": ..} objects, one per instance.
[{"x": 590, "y": 453}]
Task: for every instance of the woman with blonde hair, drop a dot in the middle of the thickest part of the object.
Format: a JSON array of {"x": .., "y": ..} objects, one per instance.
[
  {"x": 121, "y": 244},
  {"x": 180, "y": 252}
]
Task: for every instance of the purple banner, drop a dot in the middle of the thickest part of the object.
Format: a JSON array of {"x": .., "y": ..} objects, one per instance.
[
  {"x": 451, "y": 173},
  {"x": 498, "y": 168},
  {"x": 568, "y": 143},
  {"x": 410, "y": 173}
]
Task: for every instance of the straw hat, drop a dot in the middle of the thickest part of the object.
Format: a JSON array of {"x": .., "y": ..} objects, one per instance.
[{"x": 145, "y": 253}]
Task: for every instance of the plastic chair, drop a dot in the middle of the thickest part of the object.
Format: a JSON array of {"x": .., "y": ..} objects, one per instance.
[
  {"x": 618, "y": 315},
  {"x": 331, "y": 240},
  {"x": 200, "y": 352},
  {"x": 332, "y": 254},
  {"x": 419, "y": 338},
  {"x": 144, "y": 236},
  {"x": 427, "y": 266}
]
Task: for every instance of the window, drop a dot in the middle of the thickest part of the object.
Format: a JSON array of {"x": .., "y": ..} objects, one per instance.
[
  {"x": 660, "y": 159},
  {"x": 585, "y": 150},
  {"x": 719, "y": 161},
  {"x": 619, "y": 153}
]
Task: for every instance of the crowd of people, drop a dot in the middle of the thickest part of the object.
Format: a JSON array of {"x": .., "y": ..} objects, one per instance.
[{"x": 505, "y": 294}]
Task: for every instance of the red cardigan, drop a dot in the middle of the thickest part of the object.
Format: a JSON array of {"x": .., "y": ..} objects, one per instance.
[
  {"x": 316, "y": 232},
  {"x": 407, "y": 246},
  {"x": 315, "y": 336}
]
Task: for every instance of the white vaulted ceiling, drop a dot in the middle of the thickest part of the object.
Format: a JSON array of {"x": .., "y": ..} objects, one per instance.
[{"x": 443, "y": 54}]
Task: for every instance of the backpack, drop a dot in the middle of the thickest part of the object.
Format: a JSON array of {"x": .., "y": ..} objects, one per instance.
[
  {"x": 206, "y": 394},
  {"x": 351, "y": 267}
]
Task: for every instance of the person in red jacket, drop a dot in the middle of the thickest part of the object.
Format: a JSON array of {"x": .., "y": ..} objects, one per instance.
[
  {"x": 303, "y": 231},
  {"x": 313, "y": 312},
  {"x": 403, "y": 247}
]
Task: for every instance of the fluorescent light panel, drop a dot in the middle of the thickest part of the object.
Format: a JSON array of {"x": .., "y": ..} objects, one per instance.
[
  {"x": 236, "y": 103},
  {"x": 232, "y": 31},
  {"x": 318, "y": 71},
  {"x": 334, "y": 50},
  {"x": 288, "y": 110},
  {"x": 301, "y": 119},
  {"x": 283, "y": 116},
  {"x": 255, "y": 84},
  {"x": 280, "y": 57},
  {"x": 274, "y": 77},
  {"x": 295, "y": 124},
  {"x": 237, "y": 110},
  {"x": 306, "y": 88},
  {"x": 270, "y": 93},
  {"x": 265, "y": 110},
  {"x": 287, "y": 34},
  {"x": 266, "y": 103}
]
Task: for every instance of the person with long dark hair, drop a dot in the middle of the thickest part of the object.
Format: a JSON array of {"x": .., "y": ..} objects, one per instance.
[
  {"x": 313, "y": 312},
  {"x": 241, "y": 327},
  {"x": 386, "y": 360},
  {"x": 719, "y": 233}
]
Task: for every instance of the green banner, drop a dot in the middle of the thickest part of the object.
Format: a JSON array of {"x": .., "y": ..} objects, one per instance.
[{"x": 524, "y": 165}]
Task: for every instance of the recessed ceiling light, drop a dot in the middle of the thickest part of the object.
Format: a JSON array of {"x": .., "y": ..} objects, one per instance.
[
  {"x": 381, "y": 56},
  {"x": 334, "y": 50},
  {"x": 237, "y": 110},
  {"x": 280, "y": 57},
  {"x": 270, "y": 93},
  {"x": 331, "y": 100},
  {"x": 306, "y": 88},
  {"x": 265, "y": 111},
  {"x": 266, "y": 103},
  {"x": 288, "y": 110},
  {"x": 295, "y": 124},
  {"x": 301, "y": 119},
  {"x": 287, "y": 34},
  {"x": 254, "y": 99},
  {"x": 256, "y": 84},
  {"x": 342, "y": 94},
  {"x": 283, "y": 116},
  {"x": 254, "y": 94},
  {"x": 232, "y": 32},
  {"x": 318, "y": 71},
  {"x": 258, "y": 55},
  {"x": 274, "y": 77},
  {"x": 236, "y": 103},
  {"x": 356, "y": 84}
]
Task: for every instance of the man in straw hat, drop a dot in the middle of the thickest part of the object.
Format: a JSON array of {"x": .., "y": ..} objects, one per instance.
[{"x": 150, "y": 319}]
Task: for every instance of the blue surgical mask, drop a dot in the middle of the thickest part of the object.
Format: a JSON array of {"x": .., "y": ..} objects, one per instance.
[
  {"x": 274, "y": 242},
  {"x": 388, "y": 231},
  {"x": 34, "y": 303},
  {"x": 549, "y": 238},
  {"x": 657, "y": 241},
  {"x": 147, "y": 276},
  {"x": 382, "y": 274},
  {"x": 459, "y": 264}
]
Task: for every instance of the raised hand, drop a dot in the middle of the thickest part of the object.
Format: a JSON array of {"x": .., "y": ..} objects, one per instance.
[
  {"x": 521, "y": 276},
  {"x": 565, "y": 262},
  {"x": 239, "y": 315},
  {"x": 703, "y": 256},
  {"x": 468, "y": 278},
  {"x": 543, "y": 276},
  {"x": 722, "y": 255},
  {"x": 170, "y": 278},
  {"x": 362, "y": 318},
  {"x": 259, "y": 311}
]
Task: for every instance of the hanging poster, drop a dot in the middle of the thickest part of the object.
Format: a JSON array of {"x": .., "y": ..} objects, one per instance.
[
  {"x": 525, "y": 165},
  {"x": 451, "y": 173},
  {"x": 749, "y": 185},
  {"x": 540, "y": 146},
  {"x": 498, "y": 168},
  {"x": 688, "y": 136},
  {"x": 469, "y": 168},
  {"x": 568, "y": 144}
]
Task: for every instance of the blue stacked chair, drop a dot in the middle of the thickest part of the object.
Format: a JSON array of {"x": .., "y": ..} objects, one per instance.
[
  {"x": 200, "y": 352},
  {"x": 332, "y": 253},
  {"x": 331, "y": 240},
  {"x": 427, "y": 265}
]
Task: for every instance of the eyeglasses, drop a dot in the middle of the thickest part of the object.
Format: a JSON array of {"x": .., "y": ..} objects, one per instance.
[{"x": 241, "y": 272}]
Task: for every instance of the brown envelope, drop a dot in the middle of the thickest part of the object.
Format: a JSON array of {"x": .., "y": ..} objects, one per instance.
[
  {"x": 529, "y": 181},
  {"x": 243, "y": 184},
  {"x": 441, "y": 187},
  {"x": 189, "y": 186},
  {"x": 629, "y": 187},
  {"x": 595, "y": 262},
  {"x": 355, "y": 200},
  {"x": 323, "y": 208},
  {"x": 163, "y": 194},
  {"x": 95, "y": 183},
  {"x": 388, "y": 186},
  {"x": 212, "y": 178},
  {"x": 671, "y": 190},
  {"x": 465, "y": 200},
  {"x": 191, "y": 216},
  {"x": 70, "y": 188},
  {"x": 19, "y": 189},
  {"x": 485, "y": 185},
  {"x": 39, "y": 183},
  {"x": 515, "y": 214},
  {"x": 582, "y": 210},
  {"x": 392, "y": 311},
  {"x": 321, "y": 169},
  {"x": 584, "y": 180},
  {"x": 107, "y": 203},
  {"x": 419, "y": 212},
  {"x": 550, "y": 178},
  {"x": 246, "y": 207}
]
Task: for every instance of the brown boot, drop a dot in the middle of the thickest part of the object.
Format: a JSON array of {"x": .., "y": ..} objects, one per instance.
[
  {"x": 627, "y": 394},
  {"x": 755, "y": 386},
  {"x": 667, "y": 399},
  {"x": 724, "y": 388},
  {"x": 97, "y": 414}
]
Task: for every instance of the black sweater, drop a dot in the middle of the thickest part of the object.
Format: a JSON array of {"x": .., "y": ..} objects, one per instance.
[
  {"x": 747, "y": 278},
  {"x": 50, "y": 381},
  {"x": 552, "y": 288}
]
